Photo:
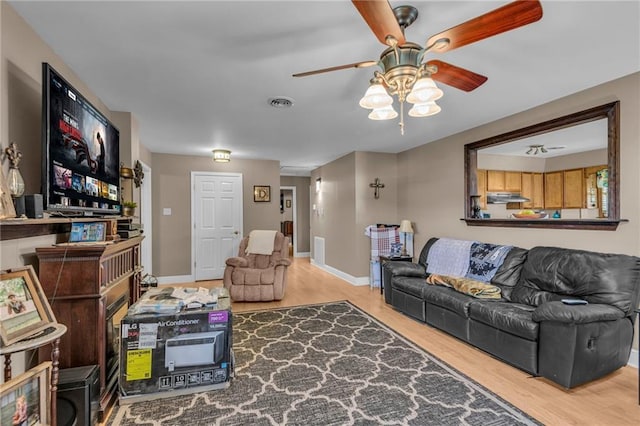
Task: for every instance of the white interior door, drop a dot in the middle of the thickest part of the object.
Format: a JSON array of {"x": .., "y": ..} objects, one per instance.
[{"x": 217, "y": 221}]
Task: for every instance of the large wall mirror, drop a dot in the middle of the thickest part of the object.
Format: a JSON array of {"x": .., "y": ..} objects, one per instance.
[{"x": 562, "y": 173}]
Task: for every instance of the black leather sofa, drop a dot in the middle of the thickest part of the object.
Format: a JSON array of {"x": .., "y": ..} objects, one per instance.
[{"x": 530, "y": 327}]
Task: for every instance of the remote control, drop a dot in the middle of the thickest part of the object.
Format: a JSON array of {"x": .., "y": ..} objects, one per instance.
[{"x": 574, "y": 302}]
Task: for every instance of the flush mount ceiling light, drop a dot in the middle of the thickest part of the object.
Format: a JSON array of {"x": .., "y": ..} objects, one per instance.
[
  {"x": 405, "y": 73},
  {"x": 221, "y": 155},
  {"x": 536, "y": 149}
]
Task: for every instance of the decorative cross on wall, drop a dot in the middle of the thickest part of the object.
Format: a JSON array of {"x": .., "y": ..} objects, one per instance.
[{"x": 376, "y": 185}]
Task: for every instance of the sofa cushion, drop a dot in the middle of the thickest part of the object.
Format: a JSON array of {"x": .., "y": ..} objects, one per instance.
[
  {"x": 552, "y": 273},
  {"x": 508, "y": 274},
  {"x": 509, "y": 317},
  {"x": 447, "y": 298}
]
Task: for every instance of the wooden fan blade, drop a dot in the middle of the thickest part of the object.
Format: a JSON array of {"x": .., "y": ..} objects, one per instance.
[
  {"x": 339, "y": 67},
  {"x": 381, "y": 19},
  {"x": 508, "y": 17},
  {"x": 457, "y": 77}
]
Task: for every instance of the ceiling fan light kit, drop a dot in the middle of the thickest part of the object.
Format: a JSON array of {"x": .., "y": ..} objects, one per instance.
[
  {"x": 405, "y": 75},
  {"x": 536, "y": 149},
  {"x": 384, "y": 113},
  {"x": 425, "y": 109},
  {"x": 376, "y": 96}
]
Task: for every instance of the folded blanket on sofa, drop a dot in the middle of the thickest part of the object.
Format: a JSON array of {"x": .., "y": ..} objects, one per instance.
[
  {"x": 485, "y": 260},
  {"x": 449, "y": 257},
  {"x": 468, "y": 286}
]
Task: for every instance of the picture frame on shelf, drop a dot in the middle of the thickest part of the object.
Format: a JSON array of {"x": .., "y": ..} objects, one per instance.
[
  {"x": 24, "y": 308},
  {"x": 26, "y": 399},
  {"x": 288, "y": 203},
  {"x": 261, "y": 193}
]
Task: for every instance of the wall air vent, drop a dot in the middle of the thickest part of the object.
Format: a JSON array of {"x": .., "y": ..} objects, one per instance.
[{"x": 281, "y": 102}]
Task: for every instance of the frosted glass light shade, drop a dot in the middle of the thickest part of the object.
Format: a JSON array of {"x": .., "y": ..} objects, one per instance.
[
  {"x": 424, "y": 109},
  {"x": 385, "y": 113},
  {"x": 425, "y": 90},
  {"x": 221, "y": 155},
  {"x": 16, "y": 182},
  {"x": 376, "y": 96}
]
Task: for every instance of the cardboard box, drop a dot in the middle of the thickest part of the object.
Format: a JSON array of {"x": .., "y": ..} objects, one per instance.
[{"x": 167, "y": 354}]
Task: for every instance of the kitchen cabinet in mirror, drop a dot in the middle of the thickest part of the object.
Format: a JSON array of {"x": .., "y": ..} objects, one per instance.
[{"x": 560, "y": 173}]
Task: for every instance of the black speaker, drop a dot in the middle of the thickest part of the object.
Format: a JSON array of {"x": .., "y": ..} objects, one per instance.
[
  {"x": 18, "y": 203},
  {"x": 33, "y": 206},
  {"x": 78, "y": 396}
]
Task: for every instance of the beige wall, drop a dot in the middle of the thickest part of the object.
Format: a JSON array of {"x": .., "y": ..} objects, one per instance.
[
  {"x": 22, "y": 55},
  {"x": 171, "y": 188},
  {"x": 597, "y": 157},
  {"x": 346, "y": 206},
  {"x": 435, "y": 199},
  {"x": 302, "y": 209},
  {"x": 334, "y": 216}
]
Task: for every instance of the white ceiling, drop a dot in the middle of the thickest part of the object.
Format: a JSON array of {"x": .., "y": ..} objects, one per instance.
[
  {"x": 198, "y": 75},
  {"x": 571, "y": 140}
]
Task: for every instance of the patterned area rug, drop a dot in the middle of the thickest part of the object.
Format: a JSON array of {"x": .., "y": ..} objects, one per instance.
[{"x": 329, "y": 364}]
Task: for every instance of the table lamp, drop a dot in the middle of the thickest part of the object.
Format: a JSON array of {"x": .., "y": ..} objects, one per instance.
[{"x": 405, "y": 226}]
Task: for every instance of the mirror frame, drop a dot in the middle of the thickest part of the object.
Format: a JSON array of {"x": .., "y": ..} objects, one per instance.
[{"x": 611, "y": 112}]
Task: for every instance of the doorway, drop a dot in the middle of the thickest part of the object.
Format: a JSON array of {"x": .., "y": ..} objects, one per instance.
[
  {"x": 288, "y": 215},
  {"x": 216, "y": 221}
]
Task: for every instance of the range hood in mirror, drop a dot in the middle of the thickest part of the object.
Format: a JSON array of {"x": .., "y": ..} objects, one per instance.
[{"x": 505, "y": 197}]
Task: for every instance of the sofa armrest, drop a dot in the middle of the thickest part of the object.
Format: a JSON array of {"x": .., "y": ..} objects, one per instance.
[
  {"x": 405, "y": 269},
  {"x": 237, "y": 262},
  {"x": 578, "y": 314}
]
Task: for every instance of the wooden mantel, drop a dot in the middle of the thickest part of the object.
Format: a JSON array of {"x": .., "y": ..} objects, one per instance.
[{"x": 12, "y": 229}]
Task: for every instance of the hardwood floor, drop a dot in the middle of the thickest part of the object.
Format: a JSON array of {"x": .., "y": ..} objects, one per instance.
[{"x": 612, "y": 400}]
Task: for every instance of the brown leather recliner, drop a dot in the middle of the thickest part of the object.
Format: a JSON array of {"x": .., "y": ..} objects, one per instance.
[{"x": 258, "y": 277}]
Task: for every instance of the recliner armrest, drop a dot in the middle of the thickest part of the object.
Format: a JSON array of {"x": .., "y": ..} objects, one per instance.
[
  {"x": 237, "y": 262},
  {"x": 405, "y": 269},
  {"x": 282, "y": 262},
  {"x": 578, "y": 314}
]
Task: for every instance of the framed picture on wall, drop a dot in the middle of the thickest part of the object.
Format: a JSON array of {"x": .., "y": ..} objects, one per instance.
[
  {"x": 24, "y": 309},
  {"x": 288, "y": 204},
  {"x": 261, "y": 193},
  {"x": 24, "y": 400}
]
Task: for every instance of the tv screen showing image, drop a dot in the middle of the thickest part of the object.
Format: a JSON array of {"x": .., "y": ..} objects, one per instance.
[{"x": 81, "y": 158}]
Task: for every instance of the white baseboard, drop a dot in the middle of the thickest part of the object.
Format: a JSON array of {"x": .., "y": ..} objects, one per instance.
[
  {"x": 633, "y": 358},
  {"x": 176, "y": 279},
  {"x": 303, "y": 254},
  {"x": 357, "y": 281}
]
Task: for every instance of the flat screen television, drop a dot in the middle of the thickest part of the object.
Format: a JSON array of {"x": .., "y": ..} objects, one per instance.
[{"x": 81, "y": 152}]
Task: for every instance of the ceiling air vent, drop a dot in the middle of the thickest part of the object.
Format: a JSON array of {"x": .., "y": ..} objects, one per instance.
[{"x": 281, "y": 102}]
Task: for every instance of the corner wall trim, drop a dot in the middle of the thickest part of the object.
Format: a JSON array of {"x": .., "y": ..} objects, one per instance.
[
  {"x": 356, "y": 281},
  {"x": 303, "y": 254}
]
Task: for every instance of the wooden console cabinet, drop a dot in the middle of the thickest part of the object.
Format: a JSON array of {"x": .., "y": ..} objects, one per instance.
[{"x": 90, "y": 288}]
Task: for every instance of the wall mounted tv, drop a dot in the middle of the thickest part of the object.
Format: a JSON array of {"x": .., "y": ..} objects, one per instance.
[{"x": 81, "y": 152}]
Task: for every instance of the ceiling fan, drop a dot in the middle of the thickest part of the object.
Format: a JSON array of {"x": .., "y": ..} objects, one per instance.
[{"x": 404, "y": 71}]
